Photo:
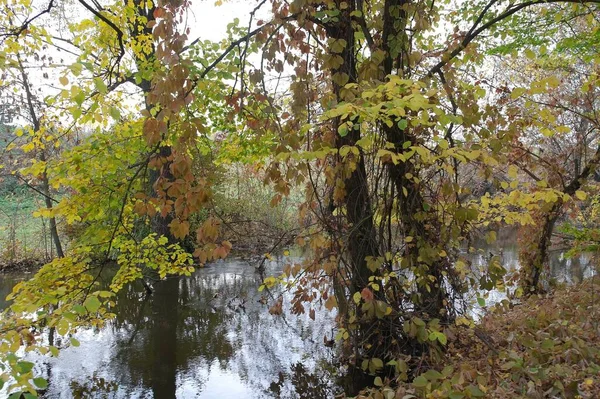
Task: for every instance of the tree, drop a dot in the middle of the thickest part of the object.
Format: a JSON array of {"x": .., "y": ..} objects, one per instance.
[
  {"x": 555, "y": 145},
  {"x": 385, "y": 114},
  {"x": 396, "y": 120}
]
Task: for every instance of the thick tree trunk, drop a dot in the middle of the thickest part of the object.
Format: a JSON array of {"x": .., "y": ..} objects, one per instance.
[
  {"x": 418, "y": 223},
  {"x": 422, "y": 225},
  {"x": 362, "y": 241},
  {"x": 160, "y": 224}
]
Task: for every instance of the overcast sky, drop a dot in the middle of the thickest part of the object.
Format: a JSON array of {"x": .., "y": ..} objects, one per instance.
[{"x": 209, "y": 21}]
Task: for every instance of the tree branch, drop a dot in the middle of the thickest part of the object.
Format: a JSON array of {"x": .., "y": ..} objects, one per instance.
[
  {"x": 474, "y": 31},
  {"x": 26, "y": 24}
]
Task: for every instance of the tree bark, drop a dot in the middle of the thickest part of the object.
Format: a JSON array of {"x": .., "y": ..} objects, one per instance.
[
  {"x": 44, "y": 176},
  {"x": 533, "y": 268},
  {"x": 416, "y": 221},
  {"x": 159, "y": 223},
  {"x": 362, "y": 241}
]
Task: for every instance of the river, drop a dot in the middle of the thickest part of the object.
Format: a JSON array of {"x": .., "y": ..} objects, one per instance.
[
  {"x": 205, "y": 336},
  {"x": 211, "y": 336}
]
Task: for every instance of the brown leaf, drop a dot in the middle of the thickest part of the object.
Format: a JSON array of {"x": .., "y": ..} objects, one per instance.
[
  {"x": 367, "y": 294},
  {"x": 277, "y": 308}
]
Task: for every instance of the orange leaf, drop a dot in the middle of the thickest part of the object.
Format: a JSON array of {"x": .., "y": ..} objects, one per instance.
[{"x": 367, "y": 294}]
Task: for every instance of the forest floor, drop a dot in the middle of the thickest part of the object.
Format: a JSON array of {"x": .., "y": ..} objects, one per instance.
[{"x": 547, "y": 346}]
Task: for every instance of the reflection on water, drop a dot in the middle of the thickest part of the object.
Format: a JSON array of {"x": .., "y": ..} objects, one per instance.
[
  {"x": 210, "y": 336},
  {"x": 563, "y": 269},
  {"x": 206, "y": 336}
]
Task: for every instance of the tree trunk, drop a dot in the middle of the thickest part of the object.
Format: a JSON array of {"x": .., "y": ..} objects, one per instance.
[
  {"x": 45, "y": 183},
  {"x": 48, "y": 201},
  {"x": 533, "y": 265},
  {"x": 362, "y": 241},
  {"x": 418, "y": 223},
  {"x": 160, "y": 224}
]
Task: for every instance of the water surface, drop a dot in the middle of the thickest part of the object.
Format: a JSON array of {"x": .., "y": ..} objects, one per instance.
[
  {"x": 211, "y": 336},
  {"x": 205, "y": 336}
]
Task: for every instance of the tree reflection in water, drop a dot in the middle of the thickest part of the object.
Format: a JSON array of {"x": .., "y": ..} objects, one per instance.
[
  {"x": 208, "y": 336},
  {"x": 163, "y": 338},
  {"x": 204, "y": 336}
]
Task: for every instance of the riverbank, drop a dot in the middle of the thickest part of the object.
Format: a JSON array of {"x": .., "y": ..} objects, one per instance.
[
  {"x": 21, "y": 266},
  {"x": 544, "y": 347}
]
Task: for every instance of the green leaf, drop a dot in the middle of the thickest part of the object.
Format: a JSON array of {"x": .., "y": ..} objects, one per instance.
[
  {"x": 79, "y": 309},
  {"x": 74, "y": 342},
  {"x": 76, "y": 68},
  {"x": 378, "y": 363},
  {"x": 547, "y": 344},
  {"x": 54, "y": 351},
  {"x": 403, "y": 124},
  {"x": 378, "y": 382},
  {"x": 115, "y": 113},
  {"x": 475, "y": 391},
  {"x": 420, "y": 382},
  {"x": 441, "y": 337},
  {"x": 337, "y": 46},
  {"x": 92, "y": 304},
  {"x": 40, "y": 382},
  {"x": 24, "y": 367},
  {"x": 529, "y": 53},
  {"x": 433, "y": 375},
  {"x": 79, "y": 98},
  {"x": 343, "y": 130},
  {"x": 481, "y": 301},
  {"x": 75, "y": 112},
  {"x": 517, "y": 92},
  {"x": 100, "y": 85}
]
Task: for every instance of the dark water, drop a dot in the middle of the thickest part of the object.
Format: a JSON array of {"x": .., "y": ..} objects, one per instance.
[
  {"x": 209, "y": 336},
  {"x": 205, "y": 336}
]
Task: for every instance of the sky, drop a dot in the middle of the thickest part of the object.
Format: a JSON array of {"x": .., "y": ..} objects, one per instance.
[{"x": 209, "y": 21}]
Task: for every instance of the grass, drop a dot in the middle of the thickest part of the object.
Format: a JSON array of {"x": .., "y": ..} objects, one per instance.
[{"x": 22, "y": 237}]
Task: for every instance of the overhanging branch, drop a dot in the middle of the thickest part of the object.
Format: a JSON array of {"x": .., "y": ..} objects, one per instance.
[{"x": 475, "y": 31}]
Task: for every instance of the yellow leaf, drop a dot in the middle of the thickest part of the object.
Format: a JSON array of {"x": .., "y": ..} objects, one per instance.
[
  {"x": 581, "y": 195},
  {"x": 63, "y": 80},
  {"x": 547, "y": 132},
  {"x": 553, "y": 81},
  {"x": 517, "y": 92},
  {"x": 529, "y": 54}
]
